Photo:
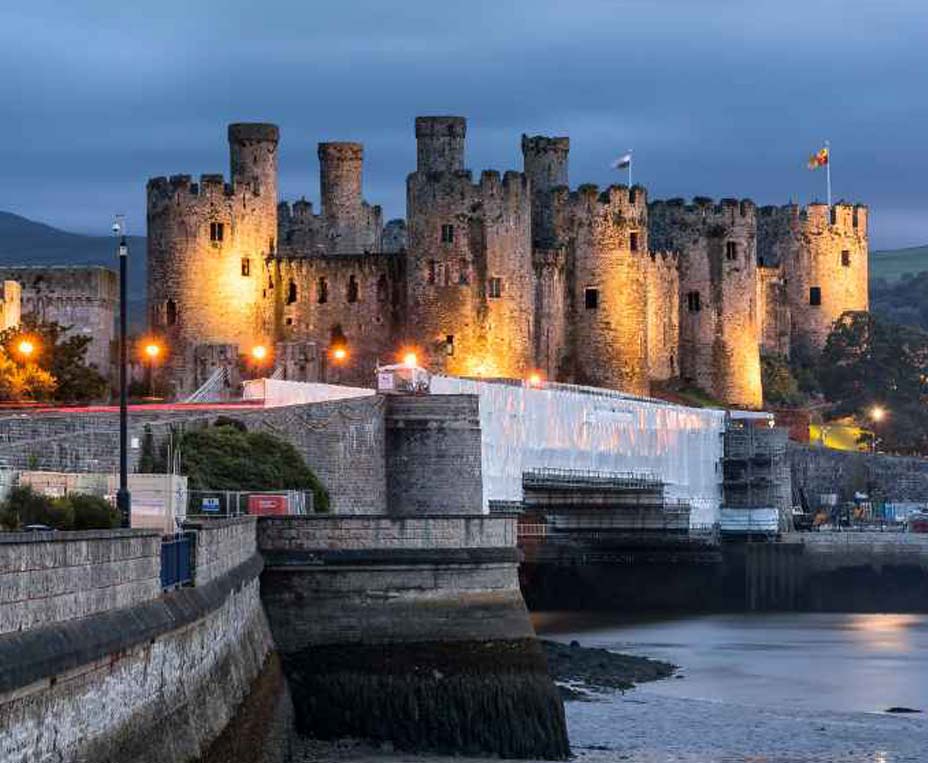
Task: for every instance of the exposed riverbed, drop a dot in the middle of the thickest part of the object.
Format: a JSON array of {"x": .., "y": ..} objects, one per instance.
[{"x": 796, "y": 688}]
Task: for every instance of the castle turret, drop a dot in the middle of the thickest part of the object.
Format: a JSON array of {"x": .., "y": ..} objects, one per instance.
[
  {"x": 821, "y": 255},
  {"x": 545, "y": 165},
  {"x": 469, "y": 285},
  {"x": 340, "y": 191},
  {"x": 208, "y": 243},
  {"x": 606, "y": 235},
  {"x": 440, "y": 144},
  {"x": 719, "y": 332}
]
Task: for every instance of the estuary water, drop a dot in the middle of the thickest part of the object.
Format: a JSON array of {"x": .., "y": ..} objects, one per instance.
[{"x": 791, "y": 688}]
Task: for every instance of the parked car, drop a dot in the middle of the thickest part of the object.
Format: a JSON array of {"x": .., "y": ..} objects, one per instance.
[{"x": 917, "y": 522}]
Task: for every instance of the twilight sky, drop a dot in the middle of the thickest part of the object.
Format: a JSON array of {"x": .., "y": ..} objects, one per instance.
[{"x": 716, "y": 97}]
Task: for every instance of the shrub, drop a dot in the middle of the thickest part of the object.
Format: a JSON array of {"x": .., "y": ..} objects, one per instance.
[
  {"x": 77, "y": 511},
  {"x": 93, "y": 512}
]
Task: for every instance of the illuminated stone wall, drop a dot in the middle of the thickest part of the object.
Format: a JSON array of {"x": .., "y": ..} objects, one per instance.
[
  {"x": 469, "y": 280},
  {"x": 663, "y": 315},
  {"x": 551, "y": 304},
  {"x": 205, "y": 290},
  {"x": 772, "y": 309},
  {"x": 719, "y": 333},
  {"x": 821, "y": 250}
]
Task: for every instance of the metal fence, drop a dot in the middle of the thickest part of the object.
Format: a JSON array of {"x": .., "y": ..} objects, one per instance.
[
  {"x": 177, "y": 560},
  {"x": 235, "y": 503}
]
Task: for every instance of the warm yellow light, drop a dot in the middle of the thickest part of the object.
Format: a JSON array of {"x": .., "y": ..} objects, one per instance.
[
  {"x": 340, "y": 353},
  {"x": 152, "y": 350},
  {"x": 25, "y": 347},
  {"x": 410, "y": 360},
  {"x": 877, "y": 413},
  {"x": 259, "y": 352},
  {"x": 534, "y": 379}
]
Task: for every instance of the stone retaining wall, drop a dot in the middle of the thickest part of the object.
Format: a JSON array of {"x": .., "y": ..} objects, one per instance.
[
  {"x": 55, "y": 577},
  {"x": 221, "y": 545}
]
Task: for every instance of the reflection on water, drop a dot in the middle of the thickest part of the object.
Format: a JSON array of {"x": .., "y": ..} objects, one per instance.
[{"x": 792, "y": 687}]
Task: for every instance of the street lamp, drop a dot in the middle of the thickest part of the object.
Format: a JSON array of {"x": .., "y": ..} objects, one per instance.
[
  {"x": 340, "y": 354},
  {"x": 877, "y": 413},
  {"x": 25, "y": 348},
  {"x": 259, "y": 352},
  {"x": 152, "y": 351},
  {"x": 123, "y": 499}
]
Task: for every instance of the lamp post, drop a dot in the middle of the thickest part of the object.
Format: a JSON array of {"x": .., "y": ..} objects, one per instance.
[
  {"x": 123, "y": 499},
  {"x": 152, "y": 351}
]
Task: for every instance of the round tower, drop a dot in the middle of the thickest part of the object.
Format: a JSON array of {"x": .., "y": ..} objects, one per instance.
[
  {"x": 824, "y": 261},
  {"x": 545, "y": 164},
  {"x": 719, "y": 331},
  {"x": 340, "y": 167},
  {"x": 208, "y": 243},
  {"x": 440, "y": 144},
  {"x": 608, "y": 245}
]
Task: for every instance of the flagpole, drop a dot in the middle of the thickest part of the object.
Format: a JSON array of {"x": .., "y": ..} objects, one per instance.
[{"x": 828, "y": 171}]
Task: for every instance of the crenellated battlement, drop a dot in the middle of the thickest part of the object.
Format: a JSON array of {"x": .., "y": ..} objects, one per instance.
[
  {"x": 181, "y": 190},
  {"x": 843, "y": 218}
]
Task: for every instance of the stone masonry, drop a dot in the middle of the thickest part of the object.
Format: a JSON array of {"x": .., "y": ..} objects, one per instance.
[{"x": 503, "y": 277}]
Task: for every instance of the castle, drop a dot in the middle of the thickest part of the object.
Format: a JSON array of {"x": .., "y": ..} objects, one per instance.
[{"x": 503, "y": 277}]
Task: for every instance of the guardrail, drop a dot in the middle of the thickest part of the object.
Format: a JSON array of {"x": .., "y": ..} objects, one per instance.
[{"x": 178, "y": 555}]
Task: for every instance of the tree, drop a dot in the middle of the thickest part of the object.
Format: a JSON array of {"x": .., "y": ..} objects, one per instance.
[
  {"x": 23, "y": 381},
  {"x": 779, "y": 384},
  {"x": 869, "y": 361},
  {"x": 61, "y": 357},
  {"x": 226, "y": 456},
  {"x": 75, "y": 511}
]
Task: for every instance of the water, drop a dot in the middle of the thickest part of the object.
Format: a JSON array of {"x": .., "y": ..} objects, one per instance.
[{"x": 803, "y": 688}]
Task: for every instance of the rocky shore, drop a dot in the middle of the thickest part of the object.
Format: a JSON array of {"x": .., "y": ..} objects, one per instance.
[{"x": 581, "y": 672}]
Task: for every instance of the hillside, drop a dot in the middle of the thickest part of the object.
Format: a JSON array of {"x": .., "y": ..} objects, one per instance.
[
  {"x": 26, "y": 242},
  {"x": 891, "y": 264}
]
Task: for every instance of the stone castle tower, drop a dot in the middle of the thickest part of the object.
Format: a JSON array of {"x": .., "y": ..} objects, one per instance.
[
  {"x": 470, "y": 297},
  {"x": 207, "y": 247},
  {"x": 504, "y": 277},
  {"x": 815, "y": 265},
  {"x": 719, "y": 330}
]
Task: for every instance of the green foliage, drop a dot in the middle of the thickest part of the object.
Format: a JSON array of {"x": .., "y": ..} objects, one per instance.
[
  {"x": 780, "y": 386},
  {"x": 19, "y": 381},
  {"x": 902, "y": 301},
  {"x": 869, "y": 361},
  {"x": 147, "y": 457},
  {"x": 228, "y": 457},
  {"x": 57, "y": 369},
  {"x": 24, "y": 506}
]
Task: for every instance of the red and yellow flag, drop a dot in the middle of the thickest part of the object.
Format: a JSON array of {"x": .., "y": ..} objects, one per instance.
[{"x": 818, "y": 159}]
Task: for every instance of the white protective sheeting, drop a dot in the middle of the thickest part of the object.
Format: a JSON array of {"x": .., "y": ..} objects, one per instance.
[
  {"x": 585, "y": 428},
  {"x": 276, "y": 392}
]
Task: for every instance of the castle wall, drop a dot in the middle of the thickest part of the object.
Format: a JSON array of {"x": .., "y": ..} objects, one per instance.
[
  {"x": 84, "y": 298},
  {"x": 206, "y": 284},
  {"x": 773, "y": 310},
  {"x": 551, "y": 306},
  {"x": 469, "y": 280},
  {"x": 11, "y": 303},
  {"x": 607, "y": 324},
  {"x": 663, "y": 284},
  {"x": 350, "y": 300},
  {"x": 719, "y": 333},
  {"x": 824, "y": 257}
]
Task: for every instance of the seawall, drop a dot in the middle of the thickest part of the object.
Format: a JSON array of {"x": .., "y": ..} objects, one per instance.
[
  {"x": 98, "y": 664},
  {"x": 409, "y": 630}
]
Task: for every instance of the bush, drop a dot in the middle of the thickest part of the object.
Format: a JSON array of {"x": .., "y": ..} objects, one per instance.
[{"x": 77, "y": 511}]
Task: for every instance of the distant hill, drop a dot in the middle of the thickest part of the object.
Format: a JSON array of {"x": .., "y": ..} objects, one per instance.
[
  {"x": 26, "y": 242},
  {"x": 892, "y": 264}
]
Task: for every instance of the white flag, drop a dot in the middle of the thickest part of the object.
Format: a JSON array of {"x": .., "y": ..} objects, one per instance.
[{"x": 622, "y": 162}]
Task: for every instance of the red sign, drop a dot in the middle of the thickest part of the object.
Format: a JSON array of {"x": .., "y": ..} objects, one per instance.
[{"x": 268, "y": 505}]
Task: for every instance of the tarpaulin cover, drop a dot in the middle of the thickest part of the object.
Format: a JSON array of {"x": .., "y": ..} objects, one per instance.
[
  {"x": 277, "y": 392},
  {"x": 584, "y": 428}
]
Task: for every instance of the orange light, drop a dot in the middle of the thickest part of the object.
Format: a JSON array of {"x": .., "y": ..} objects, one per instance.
[
  {"x": 259, "y": 352},
  {"x": 410, "y": 360},
  {"x": 340, "y": 354},
  {"x": 878, "y": 413},
  {"x": 152, "y": 350},
  {"x": 25, "y": 347},
  {"x": 534, "y": 379}
]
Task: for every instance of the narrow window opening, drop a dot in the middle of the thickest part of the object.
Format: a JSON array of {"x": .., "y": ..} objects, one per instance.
[
  {"x": 815, "y": 296},
  {"x": 449, "y": 344},
  {"x": 633, "y": 241},
  {"x": 322, "y": 291},
  {"x": 846, "y": 258},
  {"x": 693, "y": 303},
  {"x": 216, "y": 231},
  {"x": 383, "y": 288},
  {"x": 495, "y": 288},
  {"x": 352, "y": 289},
  {"x": 431, "y": 271},
  {"x": 246, "y": 267},
  {"x": 447, "y": 234},
  {"x": 464, "y": 274},
  {"x": 834, "y": 215},
  {"x": 591, "y": 299},
  {"x": 291, "y": 292},
  {"x": 289, "y": 321},
  {"x": 731, "y": 250},
  {"x": 170, "y": 312}
]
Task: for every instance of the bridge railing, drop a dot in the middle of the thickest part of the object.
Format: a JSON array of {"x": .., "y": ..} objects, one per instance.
[{"x": 178, "y": 560}]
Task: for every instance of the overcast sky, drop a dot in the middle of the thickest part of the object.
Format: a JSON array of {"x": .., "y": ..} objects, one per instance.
[{"x": 716, "y": 97}]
